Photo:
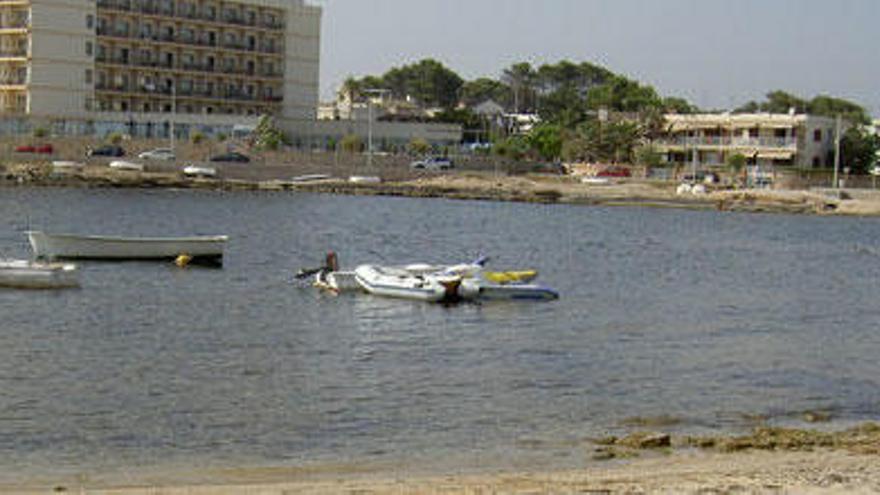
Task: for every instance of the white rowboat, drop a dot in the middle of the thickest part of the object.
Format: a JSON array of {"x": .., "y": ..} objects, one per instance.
[
  {"x": 400, "y": 283},
  {"x": 67, "y": 246},
  {"x": 23, "y": 274}
]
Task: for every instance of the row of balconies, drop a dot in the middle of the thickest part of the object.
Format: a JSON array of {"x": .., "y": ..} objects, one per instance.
[
  {"x": 200, "y": 41},
  {"x": 191, "y": 12},
  {"x": 14, "y": 23},
  {"x": 13, "y": 80},
  {"x": 197, "y": 92},
  {"x": 13, "y": 52},
  {"x": 729, "y": 141},
  {"x": 192, "y": 67}
]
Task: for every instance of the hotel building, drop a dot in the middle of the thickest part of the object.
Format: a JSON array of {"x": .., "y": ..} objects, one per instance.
[
  {"x": 131, "y": 66},
  {"x": 766, "y": 140}
]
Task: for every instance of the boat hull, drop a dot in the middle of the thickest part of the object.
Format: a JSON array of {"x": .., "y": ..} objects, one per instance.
[
  {"x": 19, "y": 274},
  {"x": 401, "y": 284},
  {"x": 337, "y": 282},
  {"x": 482, "y": 290},
  {"x": 65, "y": 246}
]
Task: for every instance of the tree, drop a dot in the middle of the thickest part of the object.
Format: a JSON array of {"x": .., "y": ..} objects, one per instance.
[
  {"x": 546, "y": 140},
  {"x": 858, "y": 150},
  {"x": 267, "y": 136},
  {"x": 514, "y": 147},
  {"x": 352, "y": 143},
  {"x": 483, "y": 89},
  {"x": 596, "y": 141},
  {"x": 40, "y": 132},
  {"x": 419, "y": 146},
  {"x": 648, "y": 156},
  {"x": 521, "y": 80},
  {"x": 736, "y": 163},
  {"x": 832, "y": 107}
]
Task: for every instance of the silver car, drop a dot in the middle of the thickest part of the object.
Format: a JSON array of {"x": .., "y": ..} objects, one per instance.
[{"x": 158, "y": 154}]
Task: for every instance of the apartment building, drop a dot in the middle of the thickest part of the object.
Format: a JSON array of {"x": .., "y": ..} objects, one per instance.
[
  {"x": 766, "y": 140},
  {"x": 133, "y": 66}
]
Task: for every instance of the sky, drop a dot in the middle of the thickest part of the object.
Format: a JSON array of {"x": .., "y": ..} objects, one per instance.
[{"x": 718, "y": 54}]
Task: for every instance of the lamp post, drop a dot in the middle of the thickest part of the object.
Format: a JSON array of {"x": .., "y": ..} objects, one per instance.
[
  {"x": 173, "y": 113},
  {"x": 370, "y": 93}
]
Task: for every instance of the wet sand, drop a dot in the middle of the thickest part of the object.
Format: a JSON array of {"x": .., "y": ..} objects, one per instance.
[{"x": 815, "y": 472}]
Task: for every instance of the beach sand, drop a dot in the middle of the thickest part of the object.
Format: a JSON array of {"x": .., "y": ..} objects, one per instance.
[{"x": 753, "y": 472}]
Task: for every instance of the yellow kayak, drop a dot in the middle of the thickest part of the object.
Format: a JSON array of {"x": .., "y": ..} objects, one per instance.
[{"x": 512, "y": 277}]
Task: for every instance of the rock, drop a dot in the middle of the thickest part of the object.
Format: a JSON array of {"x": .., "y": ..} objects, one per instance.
[{"x": 646, "y": 441}]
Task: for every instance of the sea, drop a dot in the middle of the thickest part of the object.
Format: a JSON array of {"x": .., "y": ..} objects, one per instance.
[{"x": 692, "y": 322}]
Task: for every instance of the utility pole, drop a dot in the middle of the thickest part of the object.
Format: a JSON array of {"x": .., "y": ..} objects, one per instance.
[
  {"x": 370, "y": 93},
  {"x": 837, "y": 153},
  {"x": 173, "y": 113}
]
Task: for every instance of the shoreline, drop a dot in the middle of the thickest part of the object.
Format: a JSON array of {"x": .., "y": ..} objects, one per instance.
[
  {"x": 769, "y": 460},
  {"x": 474, "y": 186}
]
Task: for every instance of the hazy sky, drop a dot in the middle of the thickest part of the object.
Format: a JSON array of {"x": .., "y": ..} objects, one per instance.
[{"x": 717, "y": 53}]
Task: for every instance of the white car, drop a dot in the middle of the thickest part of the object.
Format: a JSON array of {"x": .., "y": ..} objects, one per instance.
[
  {"x": 158, "y": 154},
  {"x": 127, "y": 166},
  {"x": 875, "y": 171},
  {"x": 432, "y": 163},
  {"x": 198, "y": 171}
]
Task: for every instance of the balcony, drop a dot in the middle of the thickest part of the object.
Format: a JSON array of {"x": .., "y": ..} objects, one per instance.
[
  {"x": 728, "y": 142},
  {"x": 151, "y": 63},
  {"x": 198, "y": 41},
  {"x": 13, "y": 53},
  {"x": 13, "y": 81},
  {"x": 235, "y": 96},
  {"x": 230, "y": 18},
  {"x": 14, "y": 23}
]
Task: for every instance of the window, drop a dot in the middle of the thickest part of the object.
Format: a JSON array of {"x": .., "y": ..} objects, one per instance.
[
  {"x": 817, "y": 135},
  {"x": 89, "y": 76},
  {"x": 90, "y": 21},
  {"x": 89, "y": 48}
]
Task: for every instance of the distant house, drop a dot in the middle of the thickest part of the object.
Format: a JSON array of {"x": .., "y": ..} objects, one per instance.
[
  {"x": 489, "y": 109},
  {"x": 765, "y": 139}
]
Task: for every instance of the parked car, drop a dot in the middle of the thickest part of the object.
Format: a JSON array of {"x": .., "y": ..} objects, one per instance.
[
  {"x": 232, "y": 156},
  {"x": 191, "y": 170},
  {"x": 432, "y": 163},
  {"x": 615, "y": 172},
  {"x": 108, "y": 150},
  {"x": 875, "y": 171},
  {"x": 158, "y": 154},
  {"x": 46, "y": 149},
  {"x": 550, "y": 168},
  {"x": 704, "y": 177}
]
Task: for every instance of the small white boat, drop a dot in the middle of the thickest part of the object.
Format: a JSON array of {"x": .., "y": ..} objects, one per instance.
[
  {"x": 23, "y": 274},
  {"x": 310, "y": 178},
  {"x": 127, "y": 166},
  {"x": 337, "y": 282},
  {"x": 68, "y": 246},
  {"x": 67, "y": 165},
  {"x": 482, "y": 288},
  {"x": 401, "y": 283},
  {"x": 199, "y": 171},
  {"x": 364, "y": 179}
]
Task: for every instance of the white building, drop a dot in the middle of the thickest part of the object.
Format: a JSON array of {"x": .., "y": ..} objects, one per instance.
[
  {"x": 784, "y": 140},
  {"x": 86, "y": 66}
]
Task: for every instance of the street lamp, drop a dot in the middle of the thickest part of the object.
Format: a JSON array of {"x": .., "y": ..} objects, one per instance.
[{"x": 369, "y": 93}]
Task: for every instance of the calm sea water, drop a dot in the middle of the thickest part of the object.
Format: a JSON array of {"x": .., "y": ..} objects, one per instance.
[{"x": 702, "y": 316}]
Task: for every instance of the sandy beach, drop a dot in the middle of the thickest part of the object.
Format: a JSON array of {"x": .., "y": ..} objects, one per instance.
[{"x": 760, "y": 472}]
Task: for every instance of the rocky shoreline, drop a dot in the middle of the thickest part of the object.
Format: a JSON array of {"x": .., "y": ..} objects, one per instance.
[{"x": 476, "y": 186}]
